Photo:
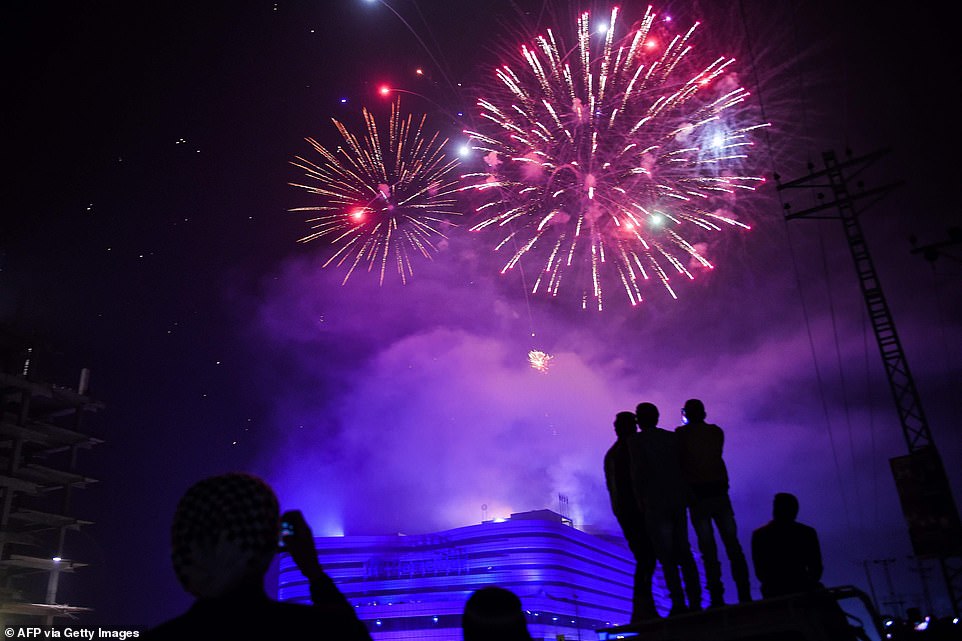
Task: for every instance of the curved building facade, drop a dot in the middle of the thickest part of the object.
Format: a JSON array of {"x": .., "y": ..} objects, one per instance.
[{"x": 570, "y": 582}]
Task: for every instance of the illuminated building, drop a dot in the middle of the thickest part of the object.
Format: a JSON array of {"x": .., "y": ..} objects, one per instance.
[{"x": 571, "y": 582}]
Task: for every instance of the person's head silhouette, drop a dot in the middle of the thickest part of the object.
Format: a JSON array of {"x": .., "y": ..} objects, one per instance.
[
  {"x": 694, "y": 411},
  {"x": 784, "y": 507},
  {"x": 225, "y": 534},
  {"x": 625, "y": 424},
  {"x": 494, "y": 613},
  {"x": 647, "y": 415}
]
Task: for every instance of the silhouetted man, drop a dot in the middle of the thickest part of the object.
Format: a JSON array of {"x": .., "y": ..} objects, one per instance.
[
  {"x": 630, "y": 517},
  {"x": 494, "y": 613},
  {"x": 224, "y": 537},
  {"x": 701, "y": 459},
  {"x": 785, "y": 553},
  {"x": 662, "y": 495}
]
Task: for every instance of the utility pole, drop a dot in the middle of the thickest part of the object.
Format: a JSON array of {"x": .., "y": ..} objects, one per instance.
[
  {"x": 924, "y": 492},
  {"x": 894, "y": 597},
  {"x": 923, "y": 573},
  {"x": 871, "y": 585}
]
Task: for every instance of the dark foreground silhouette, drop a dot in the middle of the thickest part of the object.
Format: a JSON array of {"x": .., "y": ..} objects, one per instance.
[
  {"x": 662, "y": 495},
  {"x": 786, "y": 553},
  {"x": 617, "y": 464},
  {"x": 225, "y": 535},
  {"x": 710, "y": 507},
  {"x": 494, "y": 614}
]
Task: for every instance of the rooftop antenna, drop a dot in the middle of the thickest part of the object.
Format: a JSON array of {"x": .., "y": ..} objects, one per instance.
[{"x": 563, "y": 507}]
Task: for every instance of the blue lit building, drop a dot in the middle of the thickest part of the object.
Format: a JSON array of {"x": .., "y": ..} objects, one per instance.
[{"x": 571, "y": 582}]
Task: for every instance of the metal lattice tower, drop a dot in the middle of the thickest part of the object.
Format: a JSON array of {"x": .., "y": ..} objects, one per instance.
[
  {"x": 923, "y": 486},
  {"x": 914, "y": 424}
]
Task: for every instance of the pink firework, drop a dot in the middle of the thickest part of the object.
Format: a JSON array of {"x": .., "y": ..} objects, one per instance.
[{"x": 606, "y": 158}]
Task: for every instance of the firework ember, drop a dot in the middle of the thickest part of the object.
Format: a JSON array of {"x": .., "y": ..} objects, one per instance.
[
  {"x": 539, "y": 360},
  {"x": 381, "y": 206},
  {"x": 612, "y": 157}
]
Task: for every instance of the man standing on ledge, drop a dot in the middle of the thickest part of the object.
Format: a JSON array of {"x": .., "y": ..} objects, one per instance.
[
  {"x": 661, "y": 492},
  {"x": 630, "y": 517},
  {"x": 701, "y": 459}
]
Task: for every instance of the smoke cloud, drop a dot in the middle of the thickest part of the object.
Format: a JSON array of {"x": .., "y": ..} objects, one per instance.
[{"x": 414, "y": 408}]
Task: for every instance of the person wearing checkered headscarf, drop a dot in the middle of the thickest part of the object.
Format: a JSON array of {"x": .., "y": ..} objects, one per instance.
[
  {"x": 223, "y": 540},
  {"x": 224, "y": 533}
]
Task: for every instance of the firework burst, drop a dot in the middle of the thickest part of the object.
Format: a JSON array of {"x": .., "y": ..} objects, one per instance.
[
  {"x": 539, "y": 360},
  {"x": 381, "y": 206},
  {"x": 610, "y": 156}
]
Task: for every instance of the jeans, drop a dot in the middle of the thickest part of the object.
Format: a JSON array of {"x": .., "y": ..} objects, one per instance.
[
  {"x": 636, "y": 535},
  {"x": 718, "y": 510},
  {"x": 668, "y": 529}
]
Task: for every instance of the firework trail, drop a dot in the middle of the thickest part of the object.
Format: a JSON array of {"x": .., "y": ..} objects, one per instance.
[
  {"x": 381, "y": 206},
  {"x": 602, "y": 155}
]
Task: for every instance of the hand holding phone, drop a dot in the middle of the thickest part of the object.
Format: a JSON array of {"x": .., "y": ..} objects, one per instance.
[{"x": 298, "y": 541}]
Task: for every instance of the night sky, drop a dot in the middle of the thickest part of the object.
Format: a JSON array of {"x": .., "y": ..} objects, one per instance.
[{"x": 146, "y": 235}]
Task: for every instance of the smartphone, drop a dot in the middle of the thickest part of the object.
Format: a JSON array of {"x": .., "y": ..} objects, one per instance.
[{"x": 287, "y": 529}]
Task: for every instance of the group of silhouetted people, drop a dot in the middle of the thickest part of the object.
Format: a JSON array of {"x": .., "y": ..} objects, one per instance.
[
  {"x": 227, "y": 528},
  {"x": 658, "y": 479}
]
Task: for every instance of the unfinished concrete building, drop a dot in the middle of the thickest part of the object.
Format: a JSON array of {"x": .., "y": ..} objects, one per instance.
[{"x": 41, "y": 435}]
